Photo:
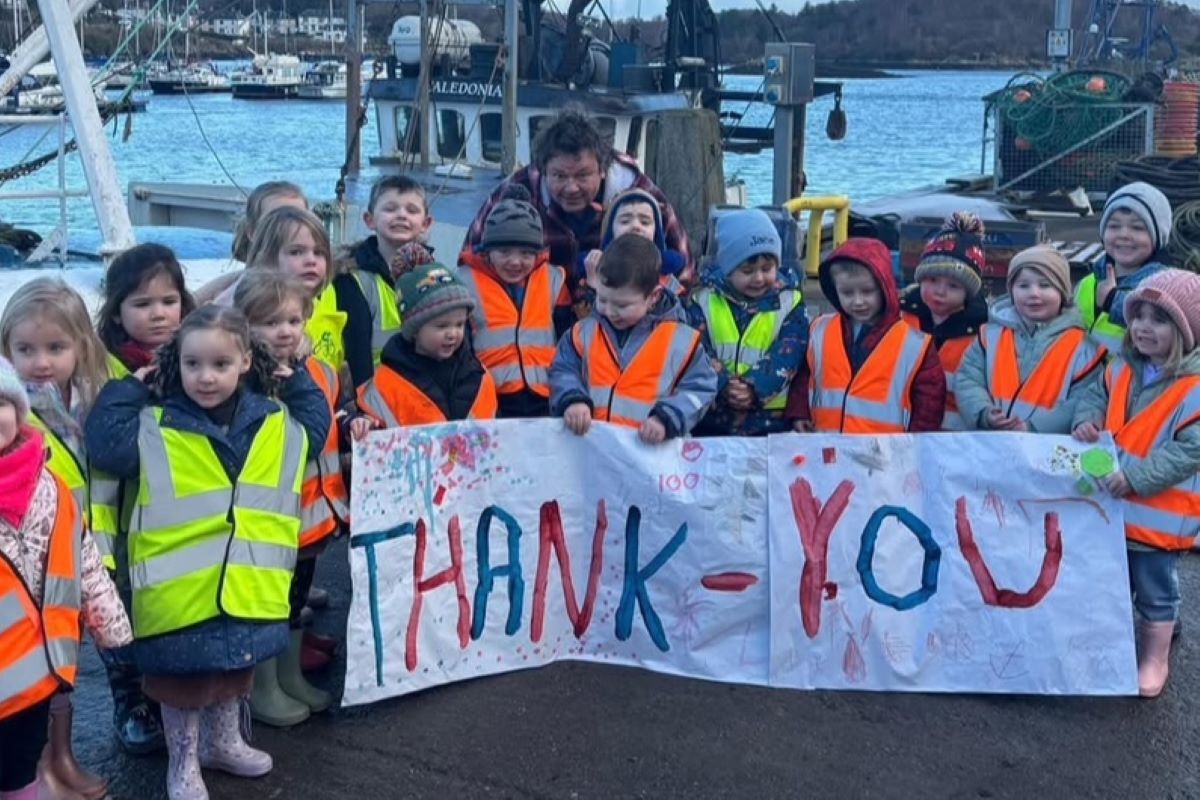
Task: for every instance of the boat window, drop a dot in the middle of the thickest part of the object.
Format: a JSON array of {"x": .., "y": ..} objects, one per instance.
[
  {"x": 406, "y": 132},
  {"x": 491, "y": 134},
  {"x": 635, "y": 136},
  {"x": 607, "y": 126},
  {"x": 535, "y": 125},
  {"x": 451, "y": 133}
]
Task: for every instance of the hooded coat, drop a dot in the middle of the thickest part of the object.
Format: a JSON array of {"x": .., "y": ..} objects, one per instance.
[
  {"x": 927, "y": 394},
  {"x": 679, "y": 411},
  {"x": 673, "y": 261},
  {"x": 222, "y": 644},
  {"x": 1032, "y": 341}
]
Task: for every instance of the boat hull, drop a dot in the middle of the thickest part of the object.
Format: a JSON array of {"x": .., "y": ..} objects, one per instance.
[
  {"x": 258, "y": 91},
  {"x": 177, "y": 87}
]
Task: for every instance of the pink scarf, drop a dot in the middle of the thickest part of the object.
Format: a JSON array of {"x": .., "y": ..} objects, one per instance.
[{"x": 20, "y": 466}]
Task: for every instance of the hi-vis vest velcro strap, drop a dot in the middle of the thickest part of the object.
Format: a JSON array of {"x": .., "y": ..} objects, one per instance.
[
  {"x": 324, "y": 501},
  {"x": 515, "y": 344},
  {"x": 1169, "y": 520},
  {"x": 1049, "y": 382},
  {"x": 740, "y": 352},
  {"x": 1099, "y": 326},
  {"x": 394, "y": 401},
  {"x": 105, "y": 493},
  {"x": 876, "y": 398},
  {"x": 385, "y": 313},
  {"x": 201, "y": 546},
  {"x": 325, "y": 329},
  {"x": 626, "y": 395},
  {"x": 39, "y": 647}
]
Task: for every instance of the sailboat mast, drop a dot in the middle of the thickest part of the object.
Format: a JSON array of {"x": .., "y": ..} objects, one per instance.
[{"x": 508, "y": 116}]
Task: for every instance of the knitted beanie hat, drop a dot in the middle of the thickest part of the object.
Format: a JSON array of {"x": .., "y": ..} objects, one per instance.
[
  {"x": 409, "y": 257},
  {"x": 12, "y": 390},
  {"x": 513, "y": 222},
  {"x": 956, "y": 251},
  {"x": 742, "y": 235},
  {"x": 1177, "y": 293},
  {"x": 1049, "y": 263},
  {"x": 427, "y": 292},
  {"x": 1148, "y": 203}
]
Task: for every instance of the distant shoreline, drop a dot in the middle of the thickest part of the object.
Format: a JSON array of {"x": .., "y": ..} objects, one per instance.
[{"x": 883, "y": 69}]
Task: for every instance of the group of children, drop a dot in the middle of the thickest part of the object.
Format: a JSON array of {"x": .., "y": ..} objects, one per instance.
[{"x": 203, "y": 441}]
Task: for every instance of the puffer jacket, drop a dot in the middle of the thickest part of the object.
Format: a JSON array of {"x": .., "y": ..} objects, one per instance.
[
  {"x": 679, "y": 411},
  {"x": 220, "y": 644},
  {"x": 1166, "y": 465},
  {"x": 1032, "y": 341}
]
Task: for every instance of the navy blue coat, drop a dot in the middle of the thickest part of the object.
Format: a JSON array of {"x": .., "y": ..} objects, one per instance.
[{"x": 221, "y": 644}]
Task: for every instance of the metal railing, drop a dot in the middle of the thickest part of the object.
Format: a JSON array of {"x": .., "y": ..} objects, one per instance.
[{"x": 816, "y": 208}]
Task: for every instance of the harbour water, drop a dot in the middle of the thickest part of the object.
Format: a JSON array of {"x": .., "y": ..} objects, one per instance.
[{"x": 903, "y": 132}]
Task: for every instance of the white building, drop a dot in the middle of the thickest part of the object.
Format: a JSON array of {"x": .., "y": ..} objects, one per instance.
[{"x": 232, "y": 27}]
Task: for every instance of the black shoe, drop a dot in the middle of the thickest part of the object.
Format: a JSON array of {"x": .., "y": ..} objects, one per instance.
[{"x": 139, "y": 728}]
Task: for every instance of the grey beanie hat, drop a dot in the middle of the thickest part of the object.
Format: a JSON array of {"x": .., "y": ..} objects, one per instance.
[
  {"x": 1148, "y": 203},
  {"x": 513, "y": 222},
  {"x": 12, "y": 390}
]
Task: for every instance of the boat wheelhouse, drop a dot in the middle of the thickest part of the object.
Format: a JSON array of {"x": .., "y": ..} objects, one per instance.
[{"x": 270, "y": 77}]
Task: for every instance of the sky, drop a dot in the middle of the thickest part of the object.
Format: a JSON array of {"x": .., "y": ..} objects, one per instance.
[{"x": 652, "y": 8}]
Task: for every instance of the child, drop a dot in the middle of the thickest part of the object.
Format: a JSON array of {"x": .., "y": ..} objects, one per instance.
[
  {"x": 634, "y": 211},
  {"x": 294, "y": 242},
  {"x": 634, "y": 361},
  {"x": 219, "y": 466},
  {"x": 398, "y": 216},
  {"x": 948, "y": 302},
  {"x": 753, "y": 328},
  {"x": 869, "y": 371},
  {"x": 1135, "y": 229},
  {"x": 144, "y": 301},
  {"x": 429, "y": 372},
  {"x": 1035, "y": 360},
  {"x": 46, "y": 333},
  {"x": 50, "y": 576},
  {"x": 276, "y": 306},
  {"x": 1150, "y": 400},
  {"x": 522, "y": 305}
]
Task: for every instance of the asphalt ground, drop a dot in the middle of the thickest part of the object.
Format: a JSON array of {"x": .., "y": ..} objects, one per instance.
[{"x": 576, "y": 730}]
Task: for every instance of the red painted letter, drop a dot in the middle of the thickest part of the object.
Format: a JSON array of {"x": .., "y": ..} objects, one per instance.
[
  {"x": 1007, "y": 598},
  {"x": 550, "y": 536},
  {"x": 815, "y": 525},
  {"x": 453, "y": 573}
]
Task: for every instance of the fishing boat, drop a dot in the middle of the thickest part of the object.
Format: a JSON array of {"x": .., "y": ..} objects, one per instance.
[
  {"x": 269, "y": 77},
  {"x": 325, "y": 81},
  {"x": 197, "y": 78}
]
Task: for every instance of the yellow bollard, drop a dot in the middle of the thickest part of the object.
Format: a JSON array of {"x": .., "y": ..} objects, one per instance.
[{"x": 816, "y": 208}]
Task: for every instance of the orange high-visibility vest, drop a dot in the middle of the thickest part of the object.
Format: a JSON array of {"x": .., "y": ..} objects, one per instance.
[
  {"x": 393, "y": 400},
  {"x": 1047, "y": 386},
  {"x": 39, "y": 647},
  {"x": 876, "y": 398},
  {"x": 627, "y": 395},
  {"x": 951, "y": 354},
  {"x": 516, "y": 344},
  {"x": 324, "y": 501},
  {"x": 1170, "y": 519}
]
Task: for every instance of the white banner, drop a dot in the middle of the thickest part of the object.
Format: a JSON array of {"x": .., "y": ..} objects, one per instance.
[{"x": 489, "y": 547}]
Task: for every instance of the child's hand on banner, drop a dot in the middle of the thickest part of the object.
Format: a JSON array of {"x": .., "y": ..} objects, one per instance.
[
  {"x": 1087, "y": 432},
  {"x": 1117, "y": 484},
  {"x": 652, "y": 431},
  {"x": 361, "y": 426},
  {"x": 578, "y": 418}
]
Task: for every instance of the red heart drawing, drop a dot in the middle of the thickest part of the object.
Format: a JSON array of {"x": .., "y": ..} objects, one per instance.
[{"x": 692, "y": 451}]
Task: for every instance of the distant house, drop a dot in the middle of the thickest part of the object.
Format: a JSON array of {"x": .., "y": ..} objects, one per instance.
[
  {"x": 328, "y": 29},
  {"x": 232, "y": 27}
]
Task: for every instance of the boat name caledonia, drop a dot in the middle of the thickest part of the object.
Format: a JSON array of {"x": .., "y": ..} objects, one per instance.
[{"x": 468, "y": 89}]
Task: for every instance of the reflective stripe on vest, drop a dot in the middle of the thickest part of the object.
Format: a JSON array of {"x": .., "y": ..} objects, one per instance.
[
  {"x": 951, "y": 354},
  {"x": 741, "y": 351},
  {"x": 516, "y": 345},
  {"x": 1106, "y": 333},
  {"x": 65, "y": 464},
  {"x": 325, "y": 329},
  {"x": 1049, "y": 382},
  {"x": 323, "y": 497},
  {"x": 201, "y": 546},
  {"x": 39, "y": 647},
  {"x": 876, "y": 398},
  {"x": 626, "y": 395},
  {"x": 1169, "y": 520},
  {"x": 394, "y": 401},
  {"x": 385, "y": 312}
]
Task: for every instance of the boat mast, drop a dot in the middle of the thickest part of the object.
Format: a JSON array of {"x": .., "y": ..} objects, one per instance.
[
  {"x": 353, "y": 49},
  {"x": 508, "y": 116},
  {"x": 97, "y": 160}
]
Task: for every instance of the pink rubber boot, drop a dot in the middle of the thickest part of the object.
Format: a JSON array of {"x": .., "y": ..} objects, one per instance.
[
  {"x": 222, "y": 746},
  {"x": 1154, "y": 650},
  {"x": 181, "y": 727}
]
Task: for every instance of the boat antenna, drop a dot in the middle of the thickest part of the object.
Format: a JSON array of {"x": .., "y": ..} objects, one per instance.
[{"x": 771, "y": 19}]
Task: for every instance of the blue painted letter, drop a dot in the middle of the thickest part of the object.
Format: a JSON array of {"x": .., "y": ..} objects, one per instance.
[
  {"x": 635, "y": 581},
  {"x": 488, "y": 573},
  {"x": 929, "y": 569}
]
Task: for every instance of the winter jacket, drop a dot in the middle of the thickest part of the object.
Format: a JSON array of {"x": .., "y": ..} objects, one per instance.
[
  {"x": 356, "y": 335},
  {"x": 927, "y": 394},
  {"x": 771, "y": 375},
  {"x": 28, "y": 503},
  {"x": 679, "y": 411},
  {"x": 569, "y": 236},
  {"x": 220, "y": 644},
  {"x": 1166, "y": 465},
  {"x": 452, "y": 384},
  {"x": 1033, "y": 341},
  {"x": 964, "y": 323},
  {"x": 673, "y": 261},
  {"x": 525, "y": 403}
]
